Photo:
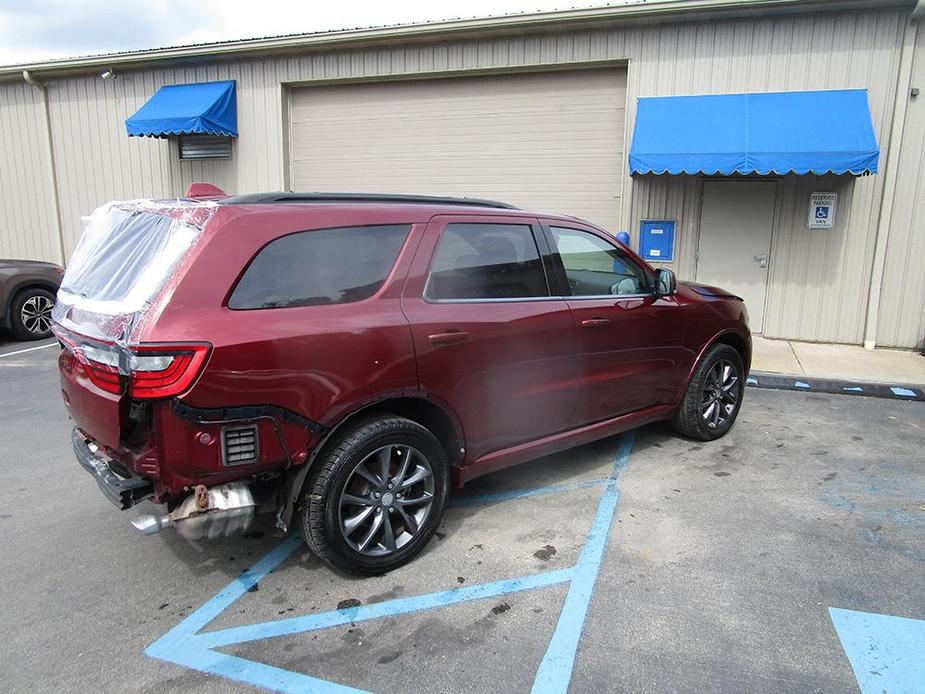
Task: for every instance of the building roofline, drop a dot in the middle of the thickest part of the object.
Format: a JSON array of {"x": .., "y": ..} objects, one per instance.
[{"x": 640, "y": 11}]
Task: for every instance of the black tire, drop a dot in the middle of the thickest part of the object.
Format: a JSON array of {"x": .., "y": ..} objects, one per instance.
[
  {"x": 30, "y": 314},
  {"x": 326, "y": 510},
  {"x": 695, "y": 418}
]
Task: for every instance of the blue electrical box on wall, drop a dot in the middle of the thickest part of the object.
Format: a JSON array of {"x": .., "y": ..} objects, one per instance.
[{"x": 656, "y": 240}]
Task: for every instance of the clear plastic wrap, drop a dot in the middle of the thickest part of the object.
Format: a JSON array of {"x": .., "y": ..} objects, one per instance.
[{"x": 126, "y": 254}]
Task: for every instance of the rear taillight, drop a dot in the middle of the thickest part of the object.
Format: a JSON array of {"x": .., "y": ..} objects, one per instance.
[
  {"x": 149, "y": 371},
  {"x": 163, "y": 371}
]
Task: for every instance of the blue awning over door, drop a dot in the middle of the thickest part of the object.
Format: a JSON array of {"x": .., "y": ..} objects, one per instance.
[
  {"x": 204, "y": 108},
  {"x": 770, "y": 133}
]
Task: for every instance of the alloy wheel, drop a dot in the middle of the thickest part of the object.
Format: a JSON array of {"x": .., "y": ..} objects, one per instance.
[
  {"x": 36, "y": 314},
  {"x": 386, "y": 500},
  {"x": 720, "y": 394}
]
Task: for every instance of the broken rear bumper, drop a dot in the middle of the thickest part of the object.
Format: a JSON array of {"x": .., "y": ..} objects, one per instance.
[{"x": 120, "y": 485}]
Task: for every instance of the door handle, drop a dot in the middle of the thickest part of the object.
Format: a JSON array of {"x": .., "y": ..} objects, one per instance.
[
  {"x": 453, "y": 337},
  {"x": 762, "y": 260},
  {"x": 595, "y": 322}
]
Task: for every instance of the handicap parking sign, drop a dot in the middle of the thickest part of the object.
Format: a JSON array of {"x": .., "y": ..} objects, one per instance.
[{"x": 822, "y": 210}]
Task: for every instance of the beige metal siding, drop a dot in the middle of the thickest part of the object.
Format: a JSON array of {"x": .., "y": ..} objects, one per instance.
[
  {"x": 27, "y": 225},
  {"x": 820, "y": 278},
  {"x": 96, "y": 161},
  {"x": 819, "y": 281},
  {"x": 676, "y": 198},
  {"x": 542, "y": 141},
  {"x": 902, "y": 299}
]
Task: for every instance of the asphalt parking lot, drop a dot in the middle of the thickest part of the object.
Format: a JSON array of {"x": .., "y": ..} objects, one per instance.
[{"x": 641, "y": 563}]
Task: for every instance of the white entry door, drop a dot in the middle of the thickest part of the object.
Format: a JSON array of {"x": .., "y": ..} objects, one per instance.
[{"x": 735, "y": 240}]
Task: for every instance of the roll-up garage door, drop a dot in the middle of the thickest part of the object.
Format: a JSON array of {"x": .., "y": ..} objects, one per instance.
[{"x": 550, "y": 141}]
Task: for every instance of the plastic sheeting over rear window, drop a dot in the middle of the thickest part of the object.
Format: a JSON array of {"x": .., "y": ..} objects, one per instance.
[{"x": 126, "y": 254}]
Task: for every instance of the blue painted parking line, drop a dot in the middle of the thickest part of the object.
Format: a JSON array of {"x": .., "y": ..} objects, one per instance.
[
  {"x": 887, "y": 653},
  {"x": 187, "y": 645},
  {"x": 555, "y": 672}
]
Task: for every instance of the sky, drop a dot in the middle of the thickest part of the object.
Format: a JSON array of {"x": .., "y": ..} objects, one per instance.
[{"x": 35, "y": 30}]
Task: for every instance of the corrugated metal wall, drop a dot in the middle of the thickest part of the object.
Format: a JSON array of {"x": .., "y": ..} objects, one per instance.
[
  {"x": 902, "y": 298},
  {"x": 819, "y": 280},
  {"x": 27, "y": 223},
  {"x": 96, "y": 161}
]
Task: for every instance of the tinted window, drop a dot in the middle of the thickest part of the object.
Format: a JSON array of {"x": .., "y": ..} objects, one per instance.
[
  {"x": 486, "y": 261},
  {"x": 596, "y": 268},
  {"x": 328, "y": 266}
]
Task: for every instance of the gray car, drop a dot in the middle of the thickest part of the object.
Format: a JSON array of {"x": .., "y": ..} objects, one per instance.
[{"x": 27, "y": 295}]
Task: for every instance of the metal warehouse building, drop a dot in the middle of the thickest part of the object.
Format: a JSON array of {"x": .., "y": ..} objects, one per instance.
[{"x": 787, "y": 163}]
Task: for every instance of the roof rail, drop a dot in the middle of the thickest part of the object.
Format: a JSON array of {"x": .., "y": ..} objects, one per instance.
[{"x": 265, "y": 198}]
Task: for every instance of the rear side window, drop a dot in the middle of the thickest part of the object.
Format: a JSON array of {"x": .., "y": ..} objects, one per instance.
[
  {"x": 315, "y": 268},
  {"x": 486, "y": 261}
]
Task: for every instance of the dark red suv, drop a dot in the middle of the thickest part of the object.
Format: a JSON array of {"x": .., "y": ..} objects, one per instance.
[{"x": 346, "y": 359}]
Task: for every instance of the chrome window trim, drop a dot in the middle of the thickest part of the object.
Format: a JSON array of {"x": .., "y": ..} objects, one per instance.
[
  {"x": 504, "y": 300},
  {"x": 615, "y": 297}
]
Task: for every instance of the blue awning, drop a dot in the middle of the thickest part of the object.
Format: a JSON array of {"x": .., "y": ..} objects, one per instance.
[
  {"x": 775, "y": 133},
  {"x": 205, "y": 108}
]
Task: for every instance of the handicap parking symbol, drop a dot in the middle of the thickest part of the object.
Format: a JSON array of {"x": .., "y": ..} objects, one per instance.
[
  {"x": 822, "y": 212},
  {"x": 188, "y": 644}
]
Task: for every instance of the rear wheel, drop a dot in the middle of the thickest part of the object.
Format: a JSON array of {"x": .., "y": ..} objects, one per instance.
[
  {"x": 376, "y": 497},
  {"x": 714, "y": 395},
  {"x": 31, "y": 314}
]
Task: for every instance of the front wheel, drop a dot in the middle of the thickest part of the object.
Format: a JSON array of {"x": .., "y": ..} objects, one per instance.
[
  {"x": 713, "y": 397},
  {"x": 376, "y": 497}
]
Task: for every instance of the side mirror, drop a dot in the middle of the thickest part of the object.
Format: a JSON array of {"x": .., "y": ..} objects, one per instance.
[{"x": 666, "y": 283}]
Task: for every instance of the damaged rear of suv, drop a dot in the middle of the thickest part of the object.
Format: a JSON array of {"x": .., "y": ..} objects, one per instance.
[
  {"x": 188, "y": 391},
  {"x": 120, "y": 380}
]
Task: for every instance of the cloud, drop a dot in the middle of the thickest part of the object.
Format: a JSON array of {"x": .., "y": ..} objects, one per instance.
[
  {"x": 56, "y": 28},
  {"x": 37, "y": 30}
]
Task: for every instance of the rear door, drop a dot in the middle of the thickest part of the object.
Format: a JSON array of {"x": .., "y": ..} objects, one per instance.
[
  {"x": 629, "y": 340},
  {"x": 490, "y": 340}
]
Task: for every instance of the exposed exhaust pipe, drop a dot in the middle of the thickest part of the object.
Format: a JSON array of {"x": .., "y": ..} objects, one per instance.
[
  {"x": 207, "y": 513},
  {"x": 150, "y": 524}
]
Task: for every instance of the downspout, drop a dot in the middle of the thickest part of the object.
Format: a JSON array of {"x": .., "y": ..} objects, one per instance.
[
  {"x": 900, "y": 103},
  {"x": 50, "y": 161}
]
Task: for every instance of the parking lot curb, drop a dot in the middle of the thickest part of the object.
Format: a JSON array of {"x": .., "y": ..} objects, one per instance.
[{"x": 870, "y": 389}]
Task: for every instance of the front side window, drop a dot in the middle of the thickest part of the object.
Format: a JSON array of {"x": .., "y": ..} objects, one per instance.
[
  {"x": 594, "y": 267},
  {"x": 315, "y": 268},
  {"x": 486, "y": 261}
]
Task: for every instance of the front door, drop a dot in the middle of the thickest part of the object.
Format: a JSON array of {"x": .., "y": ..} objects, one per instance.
[
  {"x": 629, "y": 340},
  {"x": 735, "y": 240},
  {"x": 490, "y": 340}
]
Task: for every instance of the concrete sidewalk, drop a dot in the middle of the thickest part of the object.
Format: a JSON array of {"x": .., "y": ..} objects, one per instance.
[{"x": 847, "y": 362}]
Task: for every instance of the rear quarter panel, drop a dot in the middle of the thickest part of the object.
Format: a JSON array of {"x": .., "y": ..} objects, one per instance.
[{"x": 318, "y": 361}]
